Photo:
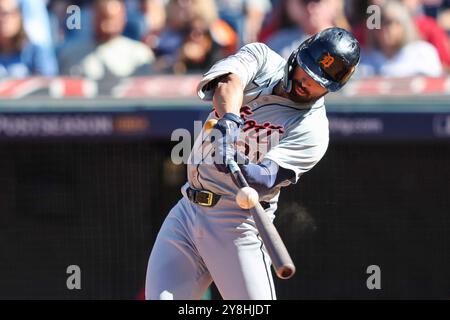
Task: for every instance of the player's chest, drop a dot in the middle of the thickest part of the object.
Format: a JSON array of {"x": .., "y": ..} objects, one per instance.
[
  {"x": 265, "y": 124},
  {"x": 264, "y": 116}
]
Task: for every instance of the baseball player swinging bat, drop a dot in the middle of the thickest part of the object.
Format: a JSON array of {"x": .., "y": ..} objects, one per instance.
[{"x": 279, "y": 106}]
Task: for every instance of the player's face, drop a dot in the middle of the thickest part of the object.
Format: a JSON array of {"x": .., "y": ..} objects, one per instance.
[{"x": 305, "y": 88}]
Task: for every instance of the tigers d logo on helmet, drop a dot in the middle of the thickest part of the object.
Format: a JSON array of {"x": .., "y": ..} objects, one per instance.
[{"x": 327, "y": 60}]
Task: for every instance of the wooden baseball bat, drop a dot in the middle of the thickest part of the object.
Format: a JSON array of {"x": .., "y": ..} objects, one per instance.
[{"x": 281, "y": 260}]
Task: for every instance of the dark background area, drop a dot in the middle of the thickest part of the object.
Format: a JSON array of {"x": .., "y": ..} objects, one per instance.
[{"x": 99, "y": 205}]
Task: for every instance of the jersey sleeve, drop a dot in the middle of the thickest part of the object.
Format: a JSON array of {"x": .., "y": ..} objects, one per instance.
[
  {"x": 302, "y": 146},
  {"x": 248, "y": 63}
]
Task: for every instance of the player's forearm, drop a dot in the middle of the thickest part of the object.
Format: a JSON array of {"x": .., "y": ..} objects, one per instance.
[
  {"x": 266, "y": 175},
  {"x": 228, "y": 95}
]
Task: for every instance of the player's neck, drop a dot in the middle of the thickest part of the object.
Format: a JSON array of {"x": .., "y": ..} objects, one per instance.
[{"x": 278, "y": 90}]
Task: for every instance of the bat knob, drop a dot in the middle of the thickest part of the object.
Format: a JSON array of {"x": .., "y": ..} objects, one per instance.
[
  {"x": 209, "y": 125},
  {"x": 286, "y": 271}
]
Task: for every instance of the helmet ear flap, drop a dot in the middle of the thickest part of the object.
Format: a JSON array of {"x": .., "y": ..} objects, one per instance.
[{"x": 289, "y": 70}]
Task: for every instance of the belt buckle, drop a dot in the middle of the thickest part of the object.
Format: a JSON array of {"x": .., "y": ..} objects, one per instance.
[{"x": 208, "y": 201}]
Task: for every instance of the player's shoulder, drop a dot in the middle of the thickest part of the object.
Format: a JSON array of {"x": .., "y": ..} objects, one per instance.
[
  {"x": 259, "y": 50},
  {"x": 294, "y": 116},
  {"x": 313, "y": 120},
  {"x": 256, "y": 46}
]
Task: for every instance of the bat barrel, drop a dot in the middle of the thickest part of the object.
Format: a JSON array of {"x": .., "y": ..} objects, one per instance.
[{"x": 281, "y": 260}]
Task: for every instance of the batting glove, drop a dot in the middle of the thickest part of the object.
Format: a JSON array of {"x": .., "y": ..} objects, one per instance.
[{"x": 224, "y": 139}]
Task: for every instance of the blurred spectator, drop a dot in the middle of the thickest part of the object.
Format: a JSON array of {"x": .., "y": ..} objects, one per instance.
[
  {"x": 109, "y": 54},
  {"x": 35, "y": 17},
  {"x": 358, "y": 17},
  {"x": 244, "y": 16},
  {"x": 61, "y": 34},
  {"x": 139, "y": 14},
  {"x": 395, "y": 49},
  {"x": 432, "y": 8},
  {"x": 428, "y": 28},
  {"x": 278, "y": 19},
  {"x": 191, "y": 25},
  {"x": 341, "y": 19},
  {"x": 430, "y": 31},
  {"x": 440, "y": 9},
  {"x": 20, "y": 57},
  {"x": 198, "y": 51},
  {"x": 155, "y": 14},
  {"x": 356, "y": 11},
  {"x": 444, "y": 20},
  {"x": 145, "y": 16},
  {"x": 309, "y": 17}
]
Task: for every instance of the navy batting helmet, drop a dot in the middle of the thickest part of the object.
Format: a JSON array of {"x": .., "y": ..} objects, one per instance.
[{"x": 330, "y": 57}]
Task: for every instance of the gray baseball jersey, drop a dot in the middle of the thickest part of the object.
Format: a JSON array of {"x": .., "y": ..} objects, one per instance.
[
  {"x": 294, "y": 135},
  {"x": 197, "y": 245}
]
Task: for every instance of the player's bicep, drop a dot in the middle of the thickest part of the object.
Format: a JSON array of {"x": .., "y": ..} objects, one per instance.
[{"x": 300, "y": 150}]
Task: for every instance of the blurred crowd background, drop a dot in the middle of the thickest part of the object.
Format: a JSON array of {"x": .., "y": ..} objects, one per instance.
[{"x": 123, "y": 38}]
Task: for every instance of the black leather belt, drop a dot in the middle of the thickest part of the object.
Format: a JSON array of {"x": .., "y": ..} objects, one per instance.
[
  {"x": 207, "y": 198},
  {"x": 265, "y": 205},
  {"x": 203, "y": 198}
]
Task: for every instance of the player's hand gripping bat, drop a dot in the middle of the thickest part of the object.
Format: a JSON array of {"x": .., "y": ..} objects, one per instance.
[{"x": 248, "y": 198}]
